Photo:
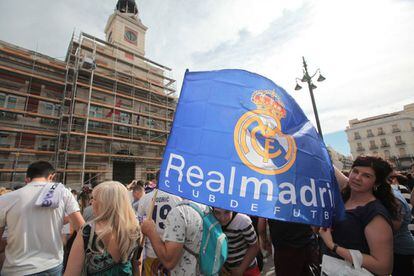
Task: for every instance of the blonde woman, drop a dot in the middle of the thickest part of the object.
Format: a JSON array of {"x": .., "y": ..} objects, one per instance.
[{"x": 107, "y": 243}]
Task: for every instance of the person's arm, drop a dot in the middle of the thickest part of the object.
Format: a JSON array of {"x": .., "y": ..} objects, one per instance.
[
  {"x": 262, "y": 235},
  {"x": 168, "y": 252},
  {"x": 76, "y": 257},
  {"x": 136, "y": 266},
  {"x": 380, "y": 241},
  {"x": 72, "y": 208},
  {"x": 251, "y": 253},
  {"x": 341, "y": 178},
  {"x": 76, "y": 220}
]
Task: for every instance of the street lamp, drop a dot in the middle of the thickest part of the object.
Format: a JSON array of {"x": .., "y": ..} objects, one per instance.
[{"x": 308, "y": 79}]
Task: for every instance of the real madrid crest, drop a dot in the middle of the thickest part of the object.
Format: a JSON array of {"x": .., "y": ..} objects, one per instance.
[{"x": 258, "y": 136}]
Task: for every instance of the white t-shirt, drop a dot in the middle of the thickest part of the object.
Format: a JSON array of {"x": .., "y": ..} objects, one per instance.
[
  {"x": 163, "y": 205},
  {"x": 34, "y": 241},
  {"x": 184, "y": 225}
]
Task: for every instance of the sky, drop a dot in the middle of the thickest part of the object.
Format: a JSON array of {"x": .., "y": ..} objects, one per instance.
[{"x": 364, "y": 49}]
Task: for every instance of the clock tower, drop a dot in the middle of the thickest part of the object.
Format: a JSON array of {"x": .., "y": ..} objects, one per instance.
[{"x": 124, "y": 28}]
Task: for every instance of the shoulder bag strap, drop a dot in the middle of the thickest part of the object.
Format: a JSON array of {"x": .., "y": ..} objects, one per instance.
[{"x": 91, "y": 235}]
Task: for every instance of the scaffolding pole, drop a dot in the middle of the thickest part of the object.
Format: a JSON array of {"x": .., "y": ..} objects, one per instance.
[
  {"x": 85, "y": 141},
  {"x": 72, "y": 109}
]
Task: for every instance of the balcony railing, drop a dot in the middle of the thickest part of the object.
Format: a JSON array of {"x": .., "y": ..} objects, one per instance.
[
  {"x": 357, "y": 137},
  {"x": 394, "y": 130},
  {"x": 385, "y": 145},
  {"x": 373, "y": 147},
  {"x": 381, "y": 133},
  {"x": 360, "y": 149},
  {"x": 399, "y": 143},
  {"x": 370, "y": 135}
]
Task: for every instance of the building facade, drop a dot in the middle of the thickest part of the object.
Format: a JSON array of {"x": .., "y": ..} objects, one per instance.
[
  {"x": 103, "y": 113},
  {"x": 390, "y": 136}
]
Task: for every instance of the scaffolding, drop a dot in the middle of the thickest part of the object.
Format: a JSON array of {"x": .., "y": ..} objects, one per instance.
[{"x": 102, "y": 109}]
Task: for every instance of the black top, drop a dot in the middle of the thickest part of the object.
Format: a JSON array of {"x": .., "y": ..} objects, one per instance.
[
  {"x": 349, "y": 233},
  {"x": 289, "y": 234},
  {"x": 127, "y": 6}
]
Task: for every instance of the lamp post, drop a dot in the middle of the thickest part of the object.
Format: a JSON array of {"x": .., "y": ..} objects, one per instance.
[{"x": 308, "y": 79}]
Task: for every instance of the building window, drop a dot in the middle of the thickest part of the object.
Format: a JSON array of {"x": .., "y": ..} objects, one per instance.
[
  {"x": 124, "y": 117},
  {"x": 398, "y": 140},
  {"x": 357, "y": 136},
  {"x": 47, "y": 144},
  {"x": 4, "y": 140},
  {"x": 95, "y": 111},
  {"x": 129, "y": 56},
  {"x": 384, "y": 143},
  {"x": 51, "y": 109},
  {"x": 122, "y": 130},
  {"x": 150, "y": 123},
  {"x": 47, "y": 121},
  {"x": 381, "y": 131},
  {"x": 372, "y": 145},
  {"x": 8, "y": 101},
  {"x": 387, "y": 154},
  {"x": 395, "y": 128},
  {"x": 2, "y": 100},
  {"x": 401, "y": 151},
  {"x": 97, "y": 126},
  {"x": 12, "y": 102},
  {"x": 369, "y": 133},
  {"x": 359, "y": 147}
]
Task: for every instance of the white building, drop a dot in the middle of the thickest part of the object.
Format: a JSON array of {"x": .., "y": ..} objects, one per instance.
[{"x": 390, "y": 136}]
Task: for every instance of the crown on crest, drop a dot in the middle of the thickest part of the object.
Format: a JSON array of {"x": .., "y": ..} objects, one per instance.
[{"x": 268, "y": 100}]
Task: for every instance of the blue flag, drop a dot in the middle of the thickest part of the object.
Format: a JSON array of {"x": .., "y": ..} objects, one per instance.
[{"x": 240, "y": 142}]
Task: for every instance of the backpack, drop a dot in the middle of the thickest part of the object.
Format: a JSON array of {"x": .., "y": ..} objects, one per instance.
[
  {"x": 213, "y": 248},
  {"x": 100, "y": 263}
]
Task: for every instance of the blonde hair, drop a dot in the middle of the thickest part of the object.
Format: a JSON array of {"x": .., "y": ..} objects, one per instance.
[
  {"x": 4, "y": 191},
  {"x": 117, "y": 216}
]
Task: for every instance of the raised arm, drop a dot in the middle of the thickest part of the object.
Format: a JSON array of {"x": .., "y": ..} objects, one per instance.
[{"x": 341, "y": 178}]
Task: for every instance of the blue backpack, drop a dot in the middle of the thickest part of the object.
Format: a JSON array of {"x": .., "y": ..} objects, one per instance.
[{"x": 213, "y": 248}]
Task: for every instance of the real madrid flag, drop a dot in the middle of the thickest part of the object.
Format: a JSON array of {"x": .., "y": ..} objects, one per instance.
[{"x": 240, "y": 142}]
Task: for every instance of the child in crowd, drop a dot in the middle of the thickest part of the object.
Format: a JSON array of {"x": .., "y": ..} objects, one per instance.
[{"x": 243, "y": 245}]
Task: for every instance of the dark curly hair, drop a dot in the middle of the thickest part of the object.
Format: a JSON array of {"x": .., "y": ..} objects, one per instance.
[{"x": 383, "y": 190}]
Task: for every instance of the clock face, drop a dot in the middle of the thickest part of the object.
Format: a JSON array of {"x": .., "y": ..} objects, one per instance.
[{"x": 130, "y": 36}]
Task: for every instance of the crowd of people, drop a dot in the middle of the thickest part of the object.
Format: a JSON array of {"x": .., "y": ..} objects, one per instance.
[{"x": 136, "y": 229}]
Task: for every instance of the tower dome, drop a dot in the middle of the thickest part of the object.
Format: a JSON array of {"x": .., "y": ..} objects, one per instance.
[{"x": 127, "y": 6}]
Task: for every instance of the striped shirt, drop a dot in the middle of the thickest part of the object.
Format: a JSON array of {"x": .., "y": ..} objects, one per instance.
[{"x": 241, "y": 235}]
